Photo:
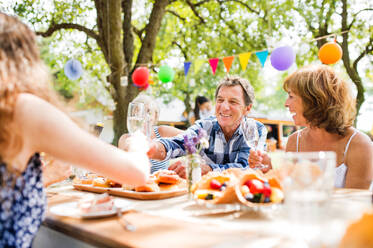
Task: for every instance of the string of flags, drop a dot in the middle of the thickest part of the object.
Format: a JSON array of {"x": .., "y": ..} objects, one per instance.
[{"x": 281, "y": 59}]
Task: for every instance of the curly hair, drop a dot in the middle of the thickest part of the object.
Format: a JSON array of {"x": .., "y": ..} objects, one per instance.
[
  {"x": 327, "y": 99},
  {"x": 233, "y": 80},
  {"x": 21, "y": 71}
]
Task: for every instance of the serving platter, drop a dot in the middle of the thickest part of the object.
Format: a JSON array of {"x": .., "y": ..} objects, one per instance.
[{"x": 163, "y": 194}]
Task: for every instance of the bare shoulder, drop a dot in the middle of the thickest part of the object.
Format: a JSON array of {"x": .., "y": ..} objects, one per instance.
[
  {"x": 27, "y": 106},
  {"x": 168, "y": 131},
  {"x": 291, "y": 145},
  {"x": 360, "y": 152},
  {"x": 361, "y": 143}
]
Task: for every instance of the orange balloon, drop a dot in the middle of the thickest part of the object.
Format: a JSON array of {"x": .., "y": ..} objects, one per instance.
[{"x": 330, "y": 53}]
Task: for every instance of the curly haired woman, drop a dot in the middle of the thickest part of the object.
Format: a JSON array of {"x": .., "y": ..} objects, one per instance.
[{"x": 322, "y": 102}]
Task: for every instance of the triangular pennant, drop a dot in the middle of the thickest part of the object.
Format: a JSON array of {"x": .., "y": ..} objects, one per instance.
[
  {"x": 262, "y": 56},
  {"x": 214, "y": 64},
  {"x": 186, "y": 67},
  {"x": 197, "y": 64},
  {"x": 244, "y": 59},
  {"x": 228, "y": 62}
]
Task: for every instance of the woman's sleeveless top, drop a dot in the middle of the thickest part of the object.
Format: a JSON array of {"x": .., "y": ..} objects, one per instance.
[
  {"x": 158, "y": 165},
  {"x": 22, "y": 204},
  {"x": 341, "y": 170}
]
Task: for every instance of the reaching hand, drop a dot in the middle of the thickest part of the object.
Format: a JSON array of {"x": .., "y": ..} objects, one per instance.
[
  {"x": 179, "y": 168},
  {"x": 257, "y": 159}
]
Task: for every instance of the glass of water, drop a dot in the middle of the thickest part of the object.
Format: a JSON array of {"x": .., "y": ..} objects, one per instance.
[
  {"x": 308, "y": 183},
  {"x": 136, "y": 117}
]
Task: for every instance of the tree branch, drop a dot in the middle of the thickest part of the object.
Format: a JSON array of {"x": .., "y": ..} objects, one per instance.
[
  {"x": 355, "y": 15},
  {"x": 138, "y": 32},
  {"x": 185, "y": 53},
  {"x": 128, "y": 41},
  {"x": 176, "y": 14},
  {"x": 368, "y": 49},
  {"x": 56, "y": 27},
  {"x": 193, "y": 7},
  {"x": 151, "y": 31},
  {"x": 243, "y": 4}
]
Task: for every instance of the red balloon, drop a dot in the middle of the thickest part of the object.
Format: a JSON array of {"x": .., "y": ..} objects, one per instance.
[
  {"x": 140, "y": 76},
  {"x": 145, "y": 87}
]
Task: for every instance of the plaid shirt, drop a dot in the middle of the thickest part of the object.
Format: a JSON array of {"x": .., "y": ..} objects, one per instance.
[{"x": 221, "y": 154}]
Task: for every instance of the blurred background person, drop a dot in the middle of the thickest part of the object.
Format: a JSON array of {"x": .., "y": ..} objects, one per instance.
[
  {"x": 31, "y": 122},
  {"x": 202, "y": 109},
  {"x": 152, "y": 110}
]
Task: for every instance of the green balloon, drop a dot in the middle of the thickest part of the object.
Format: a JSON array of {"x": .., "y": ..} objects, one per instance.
[{"x": 166, "y": 74}]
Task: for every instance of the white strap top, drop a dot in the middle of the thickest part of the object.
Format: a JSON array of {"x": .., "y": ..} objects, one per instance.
[{"x": 341, "y": 170}]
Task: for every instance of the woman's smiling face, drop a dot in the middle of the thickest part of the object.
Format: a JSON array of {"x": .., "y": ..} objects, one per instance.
[{"x": 295, "y": 104}]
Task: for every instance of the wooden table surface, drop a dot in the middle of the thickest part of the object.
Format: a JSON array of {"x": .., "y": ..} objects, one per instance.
[{"x": 178, "y": 222}]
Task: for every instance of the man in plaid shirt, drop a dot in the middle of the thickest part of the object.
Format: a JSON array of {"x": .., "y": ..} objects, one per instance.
[{"x": 228, "y": 147}]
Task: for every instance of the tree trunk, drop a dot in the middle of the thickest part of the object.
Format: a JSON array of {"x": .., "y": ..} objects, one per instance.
[
  {"x": 351, "y": 70},
  {"x": 110, "y": 27},
  {"x": 127, "y": 94}
]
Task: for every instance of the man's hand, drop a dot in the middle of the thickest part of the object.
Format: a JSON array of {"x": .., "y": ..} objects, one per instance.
[
  {"x": 180, "y": 168},
  {"x": 259, "y": 158}
]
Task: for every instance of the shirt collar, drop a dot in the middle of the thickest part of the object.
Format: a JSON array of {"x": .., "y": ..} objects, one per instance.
[{"x": 218, "y": 128}]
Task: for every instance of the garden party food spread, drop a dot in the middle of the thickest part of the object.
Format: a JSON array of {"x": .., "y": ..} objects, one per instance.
[
  {"x": 162, "y": 180},
  {"x": 254, "y": 188},
  {"x": 234, "y": 185}
]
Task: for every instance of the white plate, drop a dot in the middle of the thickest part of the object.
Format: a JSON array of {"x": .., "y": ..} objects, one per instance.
[{"x": 70, "y": 209}]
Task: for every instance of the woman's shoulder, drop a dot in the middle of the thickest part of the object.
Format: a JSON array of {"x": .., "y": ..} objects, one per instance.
[
  {"x": 291, "y": 145},
  {"x": 360, "y": 140}
]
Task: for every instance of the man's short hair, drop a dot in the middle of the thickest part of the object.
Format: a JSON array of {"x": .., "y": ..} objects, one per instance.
[{"x": 230, "y": 81}]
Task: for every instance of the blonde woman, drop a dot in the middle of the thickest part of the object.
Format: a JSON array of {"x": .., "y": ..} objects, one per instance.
[
  {"x": 30, "y": 123},
  {"x": 322, "y": 102}
]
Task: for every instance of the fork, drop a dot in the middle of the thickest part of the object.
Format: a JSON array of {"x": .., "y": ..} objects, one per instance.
[{"x": 125, "y": 223}]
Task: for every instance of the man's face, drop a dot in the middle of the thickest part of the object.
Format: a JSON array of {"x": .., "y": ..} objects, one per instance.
[{"x": 230, "y": 107}]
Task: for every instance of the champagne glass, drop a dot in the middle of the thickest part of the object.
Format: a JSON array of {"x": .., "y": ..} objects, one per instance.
[
  {"x": 136, "y": 117},
  {"x": 251, "y": 136}
]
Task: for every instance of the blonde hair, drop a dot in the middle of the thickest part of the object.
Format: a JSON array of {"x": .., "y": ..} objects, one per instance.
[
  {"x": 21, "y": 71},
  {"x": 327, "y": 99}
]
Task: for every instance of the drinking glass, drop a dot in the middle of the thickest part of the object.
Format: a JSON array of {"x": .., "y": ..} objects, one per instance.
[
  {"x": 308, "y": 183},
  {"x": 251, "y": 136},
  {"x": 136, "y": 117}
]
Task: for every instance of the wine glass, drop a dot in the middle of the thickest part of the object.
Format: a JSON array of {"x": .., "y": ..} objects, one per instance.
[
  {"x": 136, "y": 117},
  {"x": 251, "y": 136}
]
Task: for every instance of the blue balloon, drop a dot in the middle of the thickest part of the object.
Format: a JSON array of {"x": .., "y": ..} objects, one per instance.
[{"x": 73, "y": 69}]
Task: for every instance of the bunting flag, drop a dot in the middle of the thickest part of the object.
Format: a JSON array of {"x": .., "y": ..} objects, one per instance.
[
  {"x": 262, "y": 56},
  {"x": 228, "y": 62},
  {"x": 244, "y": 59},
  {"x": 214, "y": 64},
  {"x": 186, "y": 67},
  {"x": 197, "y": 64}
]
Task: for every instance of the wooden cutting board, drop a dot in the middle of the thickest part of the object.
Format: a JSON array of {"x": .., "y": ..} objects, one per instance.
[{"x": 132, "y": 194}]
